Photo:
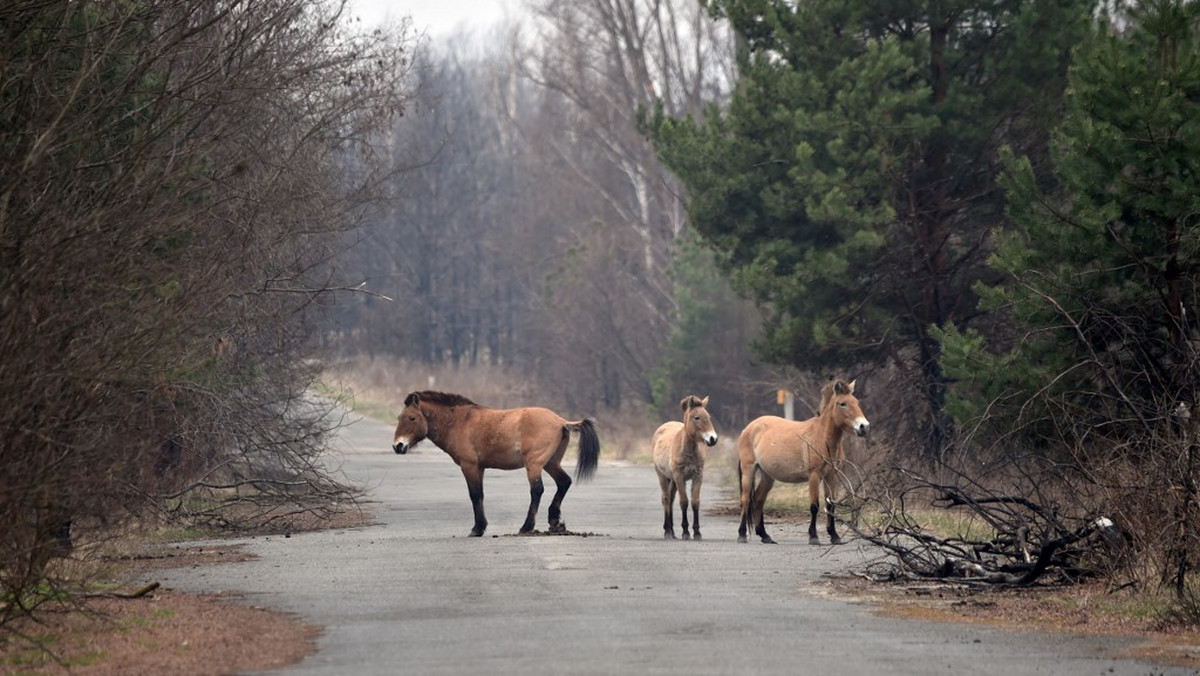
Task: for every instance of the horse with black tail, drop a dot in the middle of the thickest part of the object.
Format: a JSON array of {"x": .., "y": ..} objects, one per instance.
[{"x": 478, "y": 438}]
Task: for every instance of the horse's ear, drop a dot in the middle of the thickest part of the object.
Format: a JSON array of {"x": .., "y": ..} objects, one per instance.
[
  {"x": 704, "y": 402},
  {"x": 687, "y": 402},
  {"x": 412, "y": 399},
  {"x": 851, "y": 386},
  {"x": 841, "y": 388}
]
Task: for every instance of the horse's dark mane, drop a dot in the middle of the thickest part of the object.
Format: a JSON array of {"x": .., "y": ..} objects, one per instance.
[
  {"x": 827, "y": 392},
  {"x": 445, "y": 399}
]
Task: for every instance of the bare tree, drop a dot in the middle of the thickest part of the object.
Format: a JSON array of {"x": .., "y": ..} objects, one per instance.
[
  {"x": 175, "y": 186},
  {"x": 598, "y": 64},
  {"x": 538, "y": 232},
  {"x": 609, "y": 59}
]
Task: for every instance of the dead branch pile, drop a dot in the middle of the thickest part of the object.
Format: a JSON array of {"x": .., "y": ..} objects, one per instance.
[{"x": 1013, "y": 540}]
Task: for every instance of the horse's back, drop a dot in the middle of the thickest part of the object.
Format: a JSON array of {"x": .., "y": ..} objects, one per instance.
[
  {"x": 501, "y": 436},
  {"x": 760, "y": 428},
  {"x": 770, "y": 432},
  {"x": 526, "y": 421}
]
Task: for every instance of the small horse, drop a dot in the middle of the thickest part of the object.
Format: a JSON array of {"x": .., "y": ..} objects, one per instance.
[
  {"x": 679, "y": 457},
  {"x": 479, "y": 438},
  {"x": 776, "y": 449}
]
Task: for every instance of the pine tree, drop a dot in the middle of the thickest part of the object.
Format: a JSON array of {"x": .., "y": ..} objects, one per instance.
[
  {"x": 851, "y": 179},
  {"x": 1101, "y": 276}
]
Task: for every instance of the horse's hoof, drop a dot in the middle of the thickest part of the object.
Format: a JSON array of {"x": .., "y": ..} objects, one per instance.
[
  {"x": 742, "y": 539},
  {"x": 687, "y": 535},
  {"x": 696, "y": 536},
  {"x": 476, "y": 533},
  {"x": 668, "y": 535},
  {"x": 525, "y": 530},
  {"x": 560, "y": 527},
  {"x": 835, "y": 540},
  {"x": 767, "y": 540},
  {"x": 813, "y": 540}
]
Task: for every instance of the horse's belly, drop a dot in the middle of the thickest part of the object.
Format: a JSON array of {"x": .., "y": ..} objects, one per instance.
[
  {"x": 787, "y": 472},
  {"x": 511, "y": 458}
]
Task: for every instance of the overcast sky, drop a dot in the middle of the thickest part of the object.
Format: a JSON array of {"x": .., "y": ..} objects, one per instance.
[{"x": 437, "y": 17}]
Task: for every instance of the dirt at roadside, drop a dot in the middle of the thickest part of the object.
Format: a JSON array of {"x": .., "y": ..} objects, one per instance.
[
  {"x": 1088, "y": 609},
  {"x": 165, "y": 631}
]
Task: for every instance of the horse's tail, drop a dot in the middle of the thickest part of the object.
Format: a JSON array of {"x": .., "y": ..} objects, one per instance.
[
  {"x": 749, "y": 491},
  {"x": 589, "y": 448}
]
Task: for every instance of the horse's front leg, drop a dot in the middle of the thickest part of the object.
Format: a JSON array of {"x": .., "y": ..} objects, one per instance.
[
  {"x": 696, "y": 506},
  {"x": 681, "y": 484},
  {"x": 474, "y": 476},
  {"x": 668, "y": 499}
]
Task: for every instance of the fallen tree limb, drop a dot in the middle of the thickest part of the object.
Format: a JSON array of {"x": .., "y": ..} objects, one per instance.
[{"x": 125, "y": 595}]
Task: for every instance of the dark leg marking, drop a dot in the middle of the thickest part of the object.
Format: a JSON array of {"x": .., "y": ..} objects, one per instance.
[
  {"x": 476, "y": 493},
  {"x": 834, "y": 538},
  {"x": 536, "y": 489},
  {"x": 812, "y": 526},
  {"x": 562, "y": 481}
]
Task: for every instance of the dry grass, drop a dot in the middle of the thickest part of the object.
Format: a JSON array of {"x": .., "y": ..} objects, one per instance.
[
  {"x": 164, "y": 632},
  {"x": 1088, "y": 609},
  {"x": 376, "y": 388}
]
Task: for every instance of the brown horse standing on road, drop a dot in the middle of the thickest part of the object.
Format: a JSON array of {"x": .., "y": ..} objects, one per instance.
[
  {"x": 478, "y": 438},
  {"x": 679, "y": 458},
  {"x": 774, "y": 449}
]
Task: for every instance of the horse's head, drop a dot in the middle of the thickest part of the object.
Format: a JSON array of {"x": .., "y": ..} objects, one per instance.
[
  {"x": 696, "y": 421},
  {"x": 411, "y": 425},
  {"x": 840, "y": 399}
]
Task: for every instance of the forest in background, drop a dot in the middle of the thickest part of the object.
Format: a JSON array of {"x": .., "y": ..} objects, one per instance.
[
  {"x": 984, "y": 212},
  {"x": 534, "y": 230}
]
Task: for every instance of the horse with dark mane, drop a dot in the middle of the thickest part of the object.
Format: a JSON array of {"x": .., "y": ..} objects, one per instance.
[
  {"x": 679, "y": 457},
  {"x": 478, "y": 438},
  {"x": 774, "y": 449}
]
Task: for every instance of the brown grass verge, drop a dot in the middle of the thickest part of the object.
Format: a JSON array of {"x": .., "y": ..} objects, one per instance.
[
  {"x": 166, "y": 631},
  {"x": 1088, "y": 609}
]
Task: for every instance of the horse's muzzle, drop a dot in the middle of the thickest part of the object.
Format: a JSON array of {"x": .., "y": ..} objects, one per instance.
[
  {"x": 400, "y": 449},
  {"x": 859, "y": 429},
  {"x": 711, "y": 441}
]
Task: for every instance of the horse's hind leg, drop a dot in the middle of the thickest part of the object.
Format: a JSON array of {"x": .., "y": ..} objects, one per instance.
[
  {"x": 760, "y": 500},
  {"x": 814, "y": 497},
  {"x": 668, "y": 500},
  {"x": 745, "y": 488},
  {"x": 563, "y": 482},
  {"x": 536, "y": 488}
]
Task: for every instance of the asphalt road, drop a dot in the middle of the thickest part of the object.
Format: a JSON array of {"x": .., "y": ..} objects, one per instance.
[{"x": 414, "y": 595}]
